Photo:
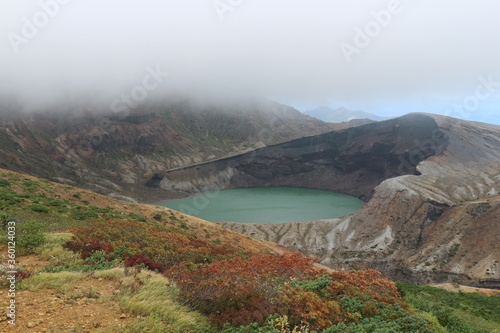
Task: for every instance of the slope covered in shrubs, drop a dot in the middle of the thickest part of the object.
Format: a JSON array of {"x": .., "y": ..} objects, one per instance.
[{"x": 170, "y": 269}]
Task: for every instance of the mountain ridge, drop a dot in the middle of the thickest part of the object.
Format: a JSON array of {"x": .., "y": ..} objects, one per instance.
[
  {"x": 110, "y": 152},
  {"x": 340, "y": 114}
]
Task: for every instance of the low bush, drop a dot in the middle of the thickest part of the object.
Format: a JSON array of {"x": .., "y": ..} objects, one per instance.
[
  {"x": 8, "y": 199},
  {"x": 20, "y": 273},
  {"x": 86, "y": 249},
  {"x": 392, "y": 318},
  {"x": 60, "y": 257},
  {"x": 30, "y": 185},
  {"x": 141, "y": 261},
  {"x": 247, "y": 292},
  {"x": 84, "y": 214},
  {"x": 163, "y": 246},
  {"x": 338, "y": 297},
  {"x": 238, "y": 291},
  {"x": 39, "y": 208},
  {"x": 4, "y": 183},
  {"x": 29, "y": 236}
]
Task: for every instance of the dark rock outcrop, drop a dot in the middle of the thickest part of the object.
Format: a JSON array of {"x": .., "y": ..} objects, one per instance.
[{"x": 352, "y": 161}]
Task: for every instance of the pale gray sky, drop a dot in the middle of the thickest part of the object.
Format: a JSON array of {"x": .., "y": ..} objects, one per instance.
[{"x": 386, "y": 57}]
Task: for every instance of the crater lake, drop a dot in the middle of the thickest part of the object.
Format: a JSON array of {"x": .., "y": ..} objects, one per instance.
[{"x": 266, "y": 205}]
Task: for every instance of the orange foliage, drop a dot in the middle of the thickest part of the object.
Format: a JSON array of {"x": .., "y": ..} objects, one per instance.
[
  {"x": 318, "y": 302},
  {"x": 239, "y": 291},
  {"x": 303, "y": 306},
  {"x": 241, "y": 288},
  {"x": 363, "y": 284},
  {"x": 167, "y": 246}
]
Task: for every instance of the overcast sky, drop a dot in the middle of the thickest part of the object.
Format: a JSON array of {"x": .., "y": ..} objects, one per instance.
[{"x": 385, "y": 57}]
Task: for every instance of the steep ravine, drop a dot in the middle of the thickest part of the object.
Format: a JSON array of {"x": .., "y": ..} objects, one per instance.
[{"x": 431, "y": 184}]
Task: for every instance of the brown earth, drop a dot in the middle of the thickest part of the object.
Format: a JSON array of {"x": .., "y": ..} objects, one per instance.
[
  {"x": 50, "y": 310},
  {"x": 466, "y": 289}
]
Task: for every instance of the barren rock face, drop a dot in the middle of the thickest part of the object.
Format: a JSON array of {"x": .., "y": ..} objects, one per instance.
[
  {"x": 352, "y": 161},
  {"x": 431, "y": 184}
]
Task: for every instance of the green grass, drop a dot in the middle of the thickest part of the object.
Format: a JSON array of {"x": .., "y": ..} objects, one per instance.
[
  {"x": 149, "y": 324},
  {"x": 27, "y": 234},
  {"x": 477, "y": 322},
  {"x": 457, "y": 312},
  {"x": 4, "y": 183},
  {"x": 52, "y": 251},
  {"x": 142, "y": 293},
  {"x": 116, "y": 273},
  {"x": 154, "y": 295},
  {"x": 61, "y": 281},
  {"x": 56, "y": 239},
  {"x": 30, "y": 185}
]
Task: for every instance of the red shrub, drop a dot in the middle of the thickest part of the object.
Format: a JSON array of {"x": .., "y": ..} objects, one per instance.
[
  {"x": 319, "y": 304},
  {"x": 303, "y": 306},
  {"x": 138, "y": 259},
  {"x": 23, "y": 274},
  {"x": 363, "y": 284},
  {"x": 215, "y": 281},
  {"x": 239, "y": 291},
  {"x": 165, "y": 245},
  {"x": 86, "y": 249}
]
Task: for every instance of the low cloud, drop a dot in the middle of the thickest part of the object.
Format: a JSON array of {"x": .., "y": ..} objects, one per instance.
[{"x": 425, "y": 55}]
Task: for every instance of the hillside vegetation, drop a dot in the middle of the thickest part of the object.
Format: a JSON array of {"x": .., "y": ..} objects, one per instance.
[{"x": 89, "y": 263}]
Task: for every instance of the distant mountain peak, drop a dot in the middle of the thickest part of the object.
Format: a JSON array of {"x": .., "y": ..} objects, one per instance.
[{"x": 339, "y": 115}]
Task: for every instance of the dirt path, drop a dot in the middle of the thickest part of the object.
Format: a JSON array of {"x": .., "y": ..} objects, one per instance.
[
  {"x": 85, "y": 306},
  {"x": 467, "y": 289}
]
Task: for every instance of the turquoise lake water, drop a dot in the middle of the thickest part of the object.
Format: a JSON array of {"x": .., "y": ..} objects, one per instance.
[{"x": 266, "y": 205}]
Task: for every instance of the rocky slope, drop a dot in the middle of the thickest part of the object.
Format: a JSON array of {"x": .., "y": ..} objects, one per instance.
[
  {"x": 121, "y": 152},
  {"x": 431, "y": 184}
]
